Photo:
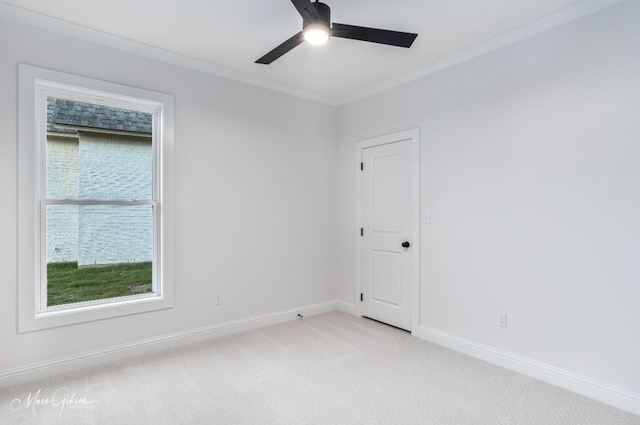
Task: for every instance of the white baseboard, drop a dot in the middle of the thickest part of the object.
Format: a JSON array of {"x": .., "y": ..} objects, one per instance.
[
  {"x": 583, "y": 385},
  {"x": 588, "y": 387},
  {"x": 58, "y": 366},
  {"x": 347, "y": 307}
]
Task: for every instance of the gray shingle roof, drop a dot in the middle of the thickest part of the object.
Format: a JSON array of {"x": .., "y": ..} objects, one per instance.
[{"x": 88, "y": 115}]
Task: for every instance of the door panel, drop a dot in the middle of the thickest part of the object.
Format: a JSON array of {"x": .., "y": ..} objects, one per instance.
[
  {"x": 385, "y": 285},
  {"x": 386, "y": 179},
  {"x": 386, "y": 208}
]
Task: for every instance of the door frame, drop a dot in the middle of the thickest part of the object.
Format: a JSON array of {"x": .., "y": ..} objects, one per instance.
[{"x": 413, "y": 135}]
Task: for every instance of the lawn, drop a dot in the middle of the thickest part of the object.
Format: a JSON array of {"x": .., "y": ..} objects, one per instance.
[{"x": 66, "y": 283}]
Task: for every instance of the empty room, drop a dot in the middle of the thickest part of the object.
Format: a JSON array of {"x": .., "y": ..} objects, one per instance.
[{"x": 301, "y": 212}]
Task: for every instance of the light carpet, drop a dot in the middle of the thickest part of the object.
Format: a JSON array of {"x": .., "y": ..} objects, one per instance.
[{"x": 328, "y": 369}]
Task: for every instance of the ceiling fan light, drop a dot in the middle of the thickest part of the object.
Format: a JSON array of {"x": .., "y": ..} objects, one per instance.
[{"x": 316, "y": 33}]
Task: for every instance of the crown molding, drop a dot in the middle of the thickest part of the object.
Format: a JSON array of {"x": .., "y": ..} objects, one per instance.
[
  {"x": 549, "y": 22},
  {"x": 40, "y": 21},
  {"x": 564, "y": 16}
]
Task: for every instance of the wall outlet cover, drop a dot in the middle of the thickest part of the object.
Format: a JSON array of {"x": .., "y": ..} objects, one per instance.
[{"x": 502, "y": 320}]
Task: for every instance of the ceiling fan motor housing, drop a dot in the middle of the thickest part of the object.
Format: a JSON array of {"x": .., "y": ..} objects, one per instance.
[
  {"x": 317, "y": 29},
  {"x": 324, "y": 12}
]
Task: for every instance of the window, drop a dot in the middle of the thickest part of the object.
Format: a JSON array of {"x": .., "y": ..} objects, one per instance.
[{"x": 95, "y": 206}]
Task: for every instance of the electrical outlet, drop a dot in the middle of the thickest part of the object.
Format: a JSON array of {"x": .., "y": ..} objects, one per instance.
[
  {"x": 218, "y": 299},
  {"x": 502, "y": 320}
]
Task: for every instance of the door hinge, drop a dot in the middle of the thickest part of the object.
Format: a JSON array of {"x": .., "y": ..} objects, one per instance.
[
  {"x": 361, "y": 166},
  {"x": 361, "y": 296},
  {"x": 361, "y": 231}
]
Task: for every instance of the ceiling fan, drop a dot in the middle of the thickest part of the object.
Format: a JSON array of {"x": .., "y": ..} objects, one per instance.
[{"x": 317, "y": 29}]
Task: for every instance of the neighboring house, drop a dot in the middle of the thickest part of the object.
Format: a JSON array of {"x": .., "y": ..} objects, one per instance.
[{"x": 97, "y": 152}]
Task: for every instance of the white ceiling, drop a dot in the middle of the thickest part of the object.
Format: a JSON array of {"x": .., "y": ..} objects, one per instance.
[{"x": 233, "y": 34}]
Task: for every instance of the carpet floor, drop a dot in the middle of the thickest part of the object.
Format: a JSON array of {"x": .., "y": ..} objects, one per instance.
[{"x": 327, "y": 369}]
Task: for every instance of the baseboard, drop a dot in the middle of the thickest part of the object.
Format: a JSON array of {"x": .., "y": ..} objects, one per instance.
[
  {"x": 347, "y": 307},
  {"x": 580, "y": 384},
  {"x": 58, "y": 366},
  {"x": 588, "y": 387}
]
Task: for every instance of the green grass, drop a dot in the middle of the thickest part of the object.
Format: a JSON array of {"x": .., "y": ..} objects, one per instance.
[{"x": 66, "y": 283}]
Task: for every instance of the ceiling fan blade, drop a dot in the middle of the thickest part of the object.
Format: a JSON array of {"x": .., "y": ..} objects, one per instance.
[
  {"x": 306, "y": 9},
  {"x": 281, "y": 49},
  {"x": 373, "y": 35}
]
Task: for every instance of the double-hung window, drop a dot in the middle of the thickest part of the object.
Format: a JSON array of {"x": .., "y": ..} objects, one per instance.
[{"x": 95, "y": 221}]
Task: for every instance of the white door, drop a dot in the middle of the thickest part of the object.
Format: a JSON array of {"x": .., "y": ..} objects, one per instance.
[{"x": 386, "y": 233}]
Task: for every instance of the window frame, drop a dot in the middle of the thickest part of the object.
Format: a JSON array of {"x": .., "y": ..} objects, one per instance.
[{"x": 35, "y": 85}]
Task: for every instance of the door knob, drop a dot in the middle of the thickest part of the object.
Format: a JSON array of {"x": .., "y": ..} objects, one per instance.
[{"x": 406, "y": 244}]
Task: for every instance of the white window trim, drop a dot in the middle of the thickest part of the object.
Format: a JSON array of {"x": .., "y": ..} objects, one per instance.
[{"x": 33, "y": 82}]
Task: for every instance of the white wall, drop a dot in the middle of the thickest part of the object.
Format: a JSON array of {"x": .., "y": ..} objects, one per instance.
[
  {"x": 530, "y": 163},
  {"x": 255, "y": 198}
]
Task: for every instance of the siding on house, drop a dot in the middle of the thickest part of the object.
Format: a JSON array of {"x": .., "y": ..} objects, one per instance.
[
  {"x": 62, "y": 182},
  {"x": 84, "y": 161},
  {"x": 115, "y": 167}
]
